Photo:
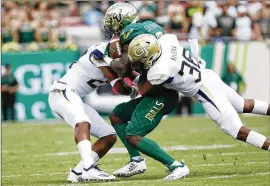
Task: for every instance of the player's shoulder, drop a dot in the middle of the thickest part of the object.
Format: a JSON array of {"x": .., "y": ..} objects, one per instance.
[
  {"x": 158, "y": 73},
  {"x": 168, "y": 38},
  {"x": 133, "y": 27},
  {"x": 95, "y": 54},
  {"x": 149, "y": 23}
]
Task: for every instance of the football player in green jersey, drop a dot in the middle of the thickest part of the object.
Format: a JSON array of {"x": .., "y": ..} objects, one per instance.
[
  {"x": 121, "y": 19},
  {"x": 135, "y": 119}
]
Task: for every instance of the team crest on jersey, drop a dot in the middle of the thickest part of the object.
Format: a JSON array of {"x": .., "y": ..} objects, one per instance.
[{"x": 126, "y": 34}]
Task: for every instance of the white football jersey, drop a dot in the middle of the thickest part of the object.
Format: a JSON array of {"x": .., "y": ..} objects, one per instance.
[
  {"x": 175, "y": 68},
  {"x": 84, "y": 76}
]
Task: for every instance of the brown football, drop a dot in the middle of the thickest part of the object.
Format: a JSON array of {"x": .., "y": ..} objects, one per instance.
[{"x": 115, "y": 49}]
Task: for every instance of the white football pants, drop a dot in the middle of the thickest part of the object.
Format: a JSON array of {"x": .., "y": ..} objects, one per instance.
[
  {"x": 221, "y": 103},
  {"x": 68, "y": 105}
]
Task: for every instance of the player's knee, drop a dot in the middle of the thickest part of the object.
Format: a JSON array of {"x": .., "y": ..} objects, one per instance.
[
  {"x": 115, "y": 120},
  {"x": 248, "y": 105},
  {"x": 81, "y": 126},
  {"x": 133, "y": 140},
  {"x": 230, "y": 124},
  {"x": 230, "y": 132},
  {"x": 110, "y": 139}
]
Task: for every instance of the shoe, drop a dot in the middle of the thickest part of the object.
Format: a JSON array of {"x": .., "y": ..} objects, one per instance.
[
  {"x": 93, "y": 173},
  {"x": 177, "y": 172},
  {"x": 74, "y": 176},
  {"x": 131, "y": 169}
]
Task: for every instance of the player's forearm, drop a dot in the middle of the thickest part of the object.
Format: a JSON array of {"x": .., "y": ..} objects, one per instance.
[{"x": 124, "y": 89}]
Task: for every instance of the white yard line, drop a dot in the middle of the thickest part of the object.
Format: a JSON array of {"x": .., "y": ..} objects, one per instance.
[
  {"x": 12, "y": 175},
  {"x": 213, "y": 165},
  {"x": 230, "y": 153},
  {"x": 119, "y": 150},
  {"x": 236, "y": 175},
  {"x": 229, "y": 164}
]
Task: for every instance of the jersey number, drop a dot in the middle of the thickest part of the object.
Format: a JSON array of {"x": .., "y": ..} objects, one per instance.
[
  {"x": 94, "y": 83},
  {"x": 192, "y": 65}
]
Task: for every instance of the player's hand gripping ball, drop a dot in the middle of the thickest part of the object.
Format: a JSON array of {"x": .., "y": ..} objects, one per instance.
[{"x": 115, "y": 49}]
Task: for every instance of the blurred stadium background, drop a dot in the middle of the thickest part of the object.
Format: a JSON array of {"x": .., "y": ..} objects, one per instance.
[{"x": 41, "y": 39}]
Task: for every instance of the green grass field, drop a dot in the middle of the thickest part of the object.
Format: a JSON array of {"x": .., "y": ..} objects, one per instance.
[{"x": 35, "y": 154}]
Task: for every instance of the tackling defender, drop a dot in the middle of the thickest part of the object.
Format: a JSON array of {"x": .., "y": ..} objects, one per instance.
[
  {"x": 65, "y": 100},
  {"x": 166, "y": 63},
  {"x": 135, "y": 119}
]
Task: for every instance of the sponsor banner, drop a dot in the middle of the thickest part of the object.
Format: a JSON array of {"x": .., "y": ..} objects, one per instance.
[{"x": 35, "y": 73}]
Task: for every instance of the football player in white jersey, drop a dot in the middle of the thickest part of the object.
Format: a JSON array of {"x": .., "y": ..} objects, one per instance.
[
  {"x": 166, "y": 63},
  {"x": 65, "y": 100}
]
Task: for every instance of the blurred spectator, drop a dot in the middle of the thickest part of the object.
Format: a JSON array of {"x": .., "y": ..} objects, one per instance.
[
  {"x": 26, "y": 29},
  {"x": 234, "y": 79},
  {"x": 194, "y": 17},
  {"x": 243, "y": 25},
  {"x": 203, "y": 25},
  {"x": 93, "y": 17},
  {"x": 262, "y": 24},
  {"x": 7, "y": 30},
  {"x": 176, "y": 13},
  {"x": 253, "y": 8},
  {"x": 42, "y": 33},
  {"x": 225, "y": 23},
  {"x": 30, "y": 22},
  {"x": 9, "y": 87},
  {"x": 147, "y": 11},
  {"x": 232, "y": 11}
]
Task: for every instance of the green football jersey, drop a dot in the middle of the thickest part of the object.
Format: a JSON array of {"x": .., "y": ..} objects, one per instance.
[{"x": 133, "y": 30}]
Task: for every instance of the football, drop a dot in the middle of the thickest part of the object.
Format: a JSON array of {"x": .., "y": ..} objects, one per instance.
[{"x": 115, "y": 49}]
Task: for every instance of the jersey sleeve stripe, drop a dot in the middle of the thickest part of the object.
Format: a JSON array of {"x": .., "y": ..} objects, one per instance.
[
  {"x": 99, "y": 55},
  {"x": 201, "y": 93}
]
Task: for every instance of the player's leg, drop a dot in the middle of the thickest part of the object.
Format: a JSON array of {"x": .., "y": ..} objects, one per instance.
[
  {"x": 120, "y": 117},
  {"x": 145, "y": 118},
  {"x": 100, "y": 129},
  {"x": 243, "y": 105},
  {"x": 68, "y": 105},
  {"x": 5, "y": 111},
  {"x": 216, "y": 104},
  {"x": 106, "y": 139}
]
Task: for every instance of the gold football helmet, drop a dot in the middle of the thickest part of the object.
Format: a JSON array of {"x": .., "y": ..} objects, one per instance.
[{"x": 143, "y": 51}]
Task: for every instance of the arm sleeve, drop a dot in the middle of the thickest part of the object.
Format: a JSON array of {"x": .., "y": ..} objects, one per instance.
[
  {"x": 97, "y": 58},
  {"x": 98, "y": 63},
  {"x": 106, "y": 52}
]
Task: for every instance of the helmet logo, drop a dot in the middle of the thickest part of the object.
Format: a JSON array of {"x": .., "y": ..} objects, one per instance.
[
  {"x": 141, "y": 50},
  {"x": 118, "y": 17}
]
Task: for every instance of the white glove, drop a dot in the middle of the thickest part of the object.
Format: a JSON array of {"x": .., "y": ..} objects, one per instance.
[
  {"x": 201, "y": 62},
  {"x": 134, "y": 92},
  {"x": 108, "y": 60},
  {"x": 194, "y": 47}
]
